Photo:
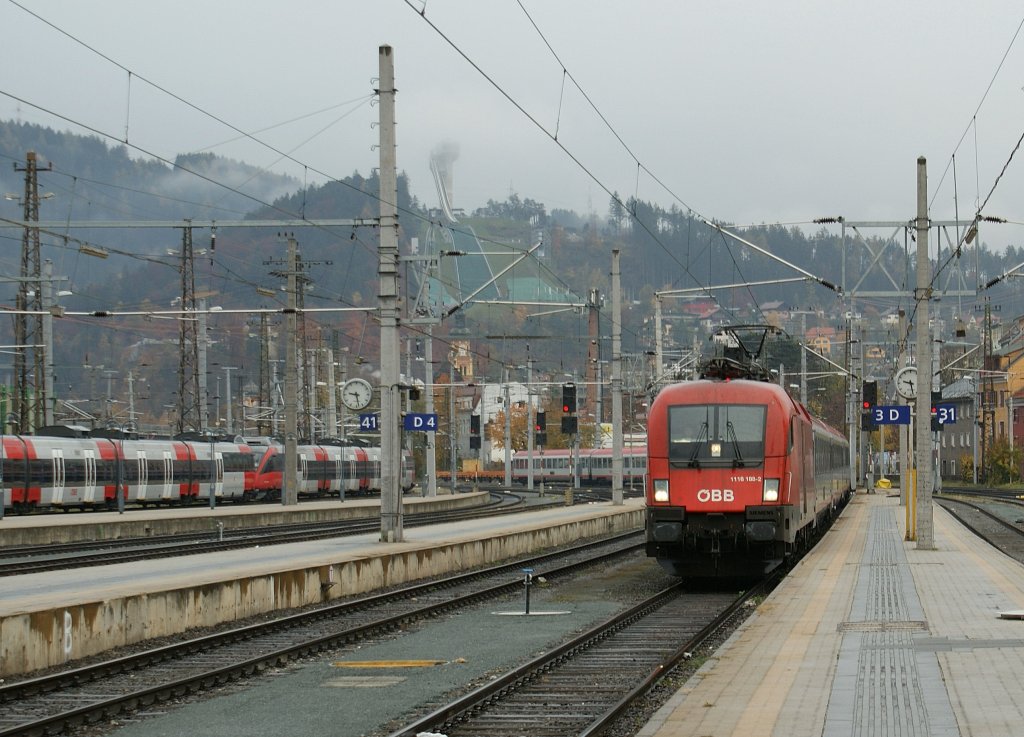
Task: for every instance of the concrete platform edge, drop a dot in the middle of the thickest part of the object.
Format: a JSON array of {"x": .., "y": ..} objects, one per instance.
[
  {"x": 39, "y": 639},
  {"x": 72, "y": 527}
]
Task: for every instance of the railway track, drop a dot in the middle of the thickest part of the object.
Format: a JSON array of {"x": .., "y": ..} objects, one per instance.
[
  {"x": 39, "y": 558},
  {"x": 48, "y": 704},
  {"x": 581, "y": 687},
  {"x": 989, "y": 526},
  {"x": 1007, "y": 495}
]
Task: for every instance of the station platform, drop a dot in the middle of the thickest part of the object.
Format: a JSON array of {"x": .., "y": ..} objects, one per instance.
[
  {"x": 79, "y": 526},
  {"x": 870, "y": 635},
  {"x": 51, "y": 618}
]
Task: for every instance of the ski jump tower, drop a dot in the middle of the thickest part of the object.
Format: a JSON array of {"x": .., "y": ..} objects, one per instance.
[{"x": 442, "y": 167}]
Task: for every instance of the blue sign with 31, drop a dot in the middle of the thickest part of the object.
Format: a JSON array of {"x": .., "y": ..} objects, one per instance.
[{"x": 945, "y": 413}]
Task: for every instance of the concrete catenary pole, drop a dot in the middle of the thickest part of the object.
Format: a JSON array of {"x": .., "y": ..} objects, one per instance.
[
  {"x": 530, "y": 423},
  {"x": 202, "y": 401},
  {"x": 289, "y": 484},
  {"x": 46, "y": 287},
  {"x": 331, "y": 418},
  {"x": 922, "y": 295},
  {"x": 905, "y": 445},
  {"x": 659, "y": 345},
  {"x": 508, "y": 430},
  {"x": 428, "y": 380},
  {"x": 616, "y": 381},
  {"x": 387, "y": 252},
  {"x": 803, "y": 358}
]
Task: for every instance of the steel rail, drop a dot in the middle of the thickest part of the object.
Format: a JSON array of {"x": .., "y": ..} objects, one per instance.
[{"x": 43, "y": 687}]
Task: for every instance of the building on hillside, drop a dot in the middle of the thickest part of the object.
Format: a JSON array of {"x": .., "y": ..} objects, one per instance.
[
  {"x": 461, "y": 359},
  {"x": 820, "y": 339},
  {"x": 775, "y": 313}
]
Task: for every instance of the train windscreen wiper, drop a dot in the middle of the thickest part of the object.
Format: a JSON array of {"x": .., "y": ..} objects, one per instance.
[
  {"x": 737, "y": 461},
  {"x": 694, "y": 463}
]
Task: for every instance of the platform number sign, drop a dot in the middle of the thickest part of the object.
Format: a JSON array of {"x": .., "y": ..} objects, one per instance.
[
  {"x": 369, "y": 423},
  {"x": 945, "y": 414},
  {"x": 420, "y": 422}
]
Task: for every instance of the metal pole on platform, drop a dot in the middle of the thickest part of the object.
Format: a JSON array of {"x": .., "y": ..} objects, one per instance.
[
  {"x": 213, "y": 474},
  {"x": 616, "y": 381},
  {"x": 289, "y": 482},
  {"x": 118, "y": 452},
  {"x": 923, "y": 430}
]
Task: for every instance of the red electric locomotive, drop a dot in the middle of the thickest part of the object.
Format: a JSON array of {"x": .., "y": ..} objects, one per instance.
[{"x": 739, "y": 476}]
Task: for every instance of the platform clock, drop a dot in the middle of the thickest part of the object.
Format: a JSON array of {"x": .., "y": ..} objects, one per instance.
[
  {"x": 356, "y": 394},
  {"x": 906, "y": 382}
]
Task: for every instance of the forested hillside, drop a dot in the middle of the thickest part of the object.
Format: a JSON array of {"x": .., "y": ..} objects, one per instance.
[{"x": 661, "y": 249}]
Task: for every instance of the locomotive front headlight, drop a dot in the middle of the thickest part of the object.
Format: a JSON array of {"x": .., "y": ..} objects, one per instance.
[
  {"x": 661, "y": 490},
  {"x": 771, "y": 490}
]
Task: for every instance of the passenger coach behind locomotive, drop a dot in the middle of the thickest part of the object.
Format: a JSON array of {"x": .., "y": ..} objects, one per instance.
[{"x": 740, "y": 474}]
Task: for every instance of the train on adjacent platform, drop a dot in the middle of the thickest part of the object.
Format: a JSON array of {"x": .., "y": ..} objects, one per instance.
[
  {"x": 595, "y": 466},
  {"x": 740, "y": 476},
  {"x": 43, "y": 472},
  {"x": 326, "y": 469}
]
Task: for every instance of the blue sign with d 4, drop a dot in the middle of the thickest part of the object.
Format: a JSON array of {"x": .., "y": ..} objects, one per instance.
[
  {"x": 891, "y": 415},
  {"x": 420, "y": 422}
]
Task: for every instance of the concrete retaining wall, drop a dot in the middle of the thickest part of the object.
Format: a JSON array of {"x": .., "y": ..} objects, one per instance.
[{"x": 35, "y": 640}]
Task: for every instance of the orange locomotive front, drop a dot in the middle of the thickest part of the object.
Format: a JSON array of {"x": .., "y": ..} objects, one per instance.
[{"x": 731, "y": 484}]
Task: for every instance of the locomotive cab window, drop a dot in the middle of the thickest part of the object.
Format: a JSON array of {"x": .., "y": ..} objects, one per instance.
[{"x": 716, "y": 434}]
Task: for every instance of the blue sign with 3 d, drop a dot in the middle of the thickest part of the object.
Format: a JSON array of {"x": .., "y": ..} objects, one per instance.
[{"x": 891, "y": 415}]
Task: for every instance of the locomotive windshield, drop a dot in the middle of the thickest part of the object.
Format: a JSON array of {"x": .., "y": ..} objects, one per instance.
[{"x": 716, "y": 434}]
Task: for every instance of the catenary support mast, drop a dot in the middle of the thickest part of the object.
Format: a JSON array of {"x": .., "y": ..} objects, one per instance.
[
  {"x": 390, "y": 446},
  {"x": 922, "y": 428}
]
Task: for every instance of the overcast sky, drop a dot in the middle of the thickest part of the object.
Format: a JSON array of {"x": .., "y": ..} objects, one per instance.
[{"x": 750, "y": 111}]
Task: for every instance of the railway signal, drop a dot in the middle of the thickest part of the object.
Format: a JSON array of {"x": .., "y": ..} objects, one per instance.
[
  {"x": 869, "y": 398},
  {"x": 474, "y": 432},
  {"x": 569, "y": 399},
  {"x": 869, "y": 392},
  {"x": 570, "y": 424},
  {"x": 540, "y": 429}
]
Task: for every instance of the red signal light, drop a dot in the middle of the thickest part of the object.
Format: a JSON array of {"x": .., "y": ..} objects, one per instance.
[
  {"x": 565, "y": 409},
  {"x": 867, "y": 405}
]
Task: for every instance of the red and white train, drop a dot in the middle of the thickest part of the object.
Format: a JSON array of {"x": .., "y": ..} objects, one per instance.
[
  {"x": 42, "y": 472},
  {"x": 327, "y": 469},
  {"x": 68, "y": 472},
  {"x": 739, "y": 476},
  {"x": 595, "y": 465}
]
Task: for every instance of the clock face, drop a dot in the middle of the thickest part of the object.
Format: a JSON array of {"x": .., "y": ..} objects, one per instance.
[
  {"x": 357, "y": 394},
  {"x": 906, "y": 382}
]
